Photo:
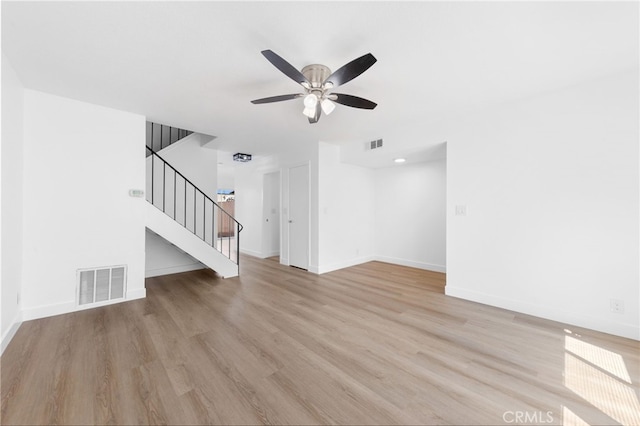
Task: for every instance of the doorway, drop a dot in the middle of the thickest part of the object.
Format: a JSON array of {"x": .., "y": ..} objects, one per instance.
[
  {"x": 298, "y": 216},
  {"x": 271, "y": 214}
]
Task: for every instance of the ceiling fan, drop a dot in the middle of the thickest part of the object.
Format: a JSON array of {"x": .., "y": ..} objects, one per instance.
[{"x": 317, "y": 81}]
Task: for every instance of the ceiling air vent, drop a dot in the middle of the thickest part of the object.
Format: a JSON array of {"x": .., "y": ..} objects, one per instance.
[
  {"x": 374, "y": 144},
  {"x": 101, "y": 284}
]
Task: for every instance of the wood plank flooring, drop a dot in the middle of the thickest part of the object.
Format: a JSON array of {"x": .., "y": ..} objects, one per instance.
[{"x": 370, "y": 344}]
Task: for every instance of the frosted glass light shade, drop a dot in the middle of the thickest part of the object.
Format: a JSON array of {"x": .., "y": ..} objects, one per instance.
[
  {"x": 327, "y": 106},
  {"x": 309, "y": 112},
  {"x": 310, "y": 100}
]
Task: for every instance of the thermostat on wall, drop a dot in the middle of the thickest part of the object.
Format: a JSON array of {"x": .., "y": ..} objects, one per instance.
[{"x": 137, "y": 193}]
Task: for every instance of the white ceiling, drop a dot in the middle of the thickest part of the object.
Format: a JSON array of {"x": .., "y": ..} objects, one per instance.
[{"x": 197, "y": 65}]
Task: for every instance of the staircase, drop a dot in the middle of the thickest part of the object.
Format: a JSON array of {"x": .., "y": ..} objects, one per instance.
[
  {"x": 160, "y": 136},
  {"x": 183, "y": 214}
]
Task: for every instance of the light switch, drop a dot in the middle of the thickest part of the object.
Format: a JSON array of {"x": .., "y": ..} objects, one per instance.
[{"x": 461, "y": 210}]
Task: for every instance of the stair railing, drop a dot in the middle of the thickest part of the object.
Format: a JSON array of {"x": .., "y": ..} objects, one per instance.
[
  {"x": 174, "y": 194},
  {"x": 160, "y": 136}
]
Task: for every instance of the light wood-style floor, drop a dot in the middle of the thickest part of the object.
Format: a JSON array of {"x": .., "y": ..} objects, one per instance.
[{"x": 371, "y": 344}]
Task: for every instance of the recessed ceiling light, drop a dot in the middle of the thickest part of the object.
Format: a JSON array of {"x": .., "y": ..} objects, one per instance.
[{"x": 399, "y": 160}]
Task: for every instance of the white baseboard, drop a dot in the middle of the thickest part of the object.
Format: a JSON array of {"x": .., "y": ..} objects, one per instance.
[
  {"x": 271, "y": 253},
  {"x": 11, "y": 331},
  {"x": 251, "y": 253},
  {"x": 604, "y": 325},
  {"x": 68, "y": 307},
  {"x": 412, "y": 263},
  {"x": 138, "y": 293},
  {"x": 173, "y": 270},
  {"x": 44, "y": 311},
  {"x": 258, "y": 254},
  {"x": 323, "y": 269}
]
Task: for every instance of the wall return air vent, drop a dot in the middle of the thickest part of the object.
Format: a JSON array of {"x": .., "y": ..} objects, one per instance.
[
  {"x": 374, "y": 144},
  {"x": 98, "y": 285}
]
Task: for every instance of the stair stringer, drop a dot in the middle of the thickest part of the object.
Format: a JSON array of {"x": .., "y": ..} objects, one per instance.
[{"x": 185, "y": 240}]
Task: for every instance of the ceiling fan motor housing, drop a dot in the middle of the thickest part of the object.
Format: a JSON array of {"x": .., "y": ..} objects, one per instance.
[{"x": 316, "y": 74}]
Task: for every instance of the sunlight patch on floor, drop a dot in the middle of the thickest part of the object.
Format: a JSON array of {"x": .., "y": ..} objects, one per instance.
[
  {"x": 569, "y": 418},
  {"x": 602, "y": 379}
]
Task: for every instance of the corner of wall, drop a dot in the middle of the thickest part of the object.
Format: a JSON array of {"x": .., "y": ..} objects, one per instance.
[
  {"x": 11, "y": 331},
  {"x": 11, "y": 212},
  {"x": 579, "y": 320}
]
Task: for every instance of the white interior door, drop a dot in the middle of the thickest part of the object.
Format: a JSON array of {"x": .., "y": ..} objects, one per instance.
[
  {"x": 298, "y": 219},
  {"x": 271, "y": 214}
]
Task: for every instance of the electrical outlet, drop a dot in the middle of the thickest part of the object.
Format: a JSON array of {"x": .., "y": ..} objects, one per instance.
[
  {"x": 18, "y": 298},
  {"x": 617, "y": 306}
]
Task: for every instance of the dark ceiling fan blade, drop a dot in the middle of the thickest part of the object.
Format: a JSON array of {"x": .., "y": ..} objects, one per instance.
[
  {"x": 351, "y": 70},
  {"x": 352, "y": 101},
  {"x": 286, "y": 68},
  {"x": 316, "y": 117},
  {"x": 277, "y": 98}
]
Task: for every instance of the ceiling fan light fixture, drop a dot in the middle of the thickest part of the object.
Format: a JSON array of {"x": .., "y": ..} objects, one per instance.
[
  {"x": 310, "y": 101},
  {"x": 317, "y": 80},
  {"x": 309, "y": 112},
  {"x": 327, "y": 106}
]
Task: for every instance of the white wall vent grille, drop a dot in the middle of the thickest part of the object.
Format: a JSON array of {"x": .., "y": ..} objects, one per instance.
[
  {"x": 101, "y": 284},
  {"x": 374, "y": 144}
]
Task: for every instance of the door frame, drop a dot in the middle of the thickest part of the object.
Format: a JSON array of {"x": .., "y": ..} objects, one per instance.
[{"x": 285, "y": 217}]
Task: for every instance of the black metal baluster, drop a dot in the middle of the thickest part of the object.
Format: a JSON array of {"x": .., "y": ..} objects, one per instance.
[
  {"x": 238, "y": 246},
  {"x": 153, "y": 177},
  {"x": 164, "y": 139}
]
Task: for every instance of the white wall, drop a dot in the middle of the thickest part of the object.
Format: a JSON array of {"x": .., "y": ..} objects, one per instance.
[
  {"x": 162, "y": 257},
  {"x": 410, "y": 215},
  {"x": 551, "y": 185},
  {"x": 196, "y": 163},
  {"x": 226, "y": 176},
  {"x": 347, "y": 209},
  {"x": 80, "y": 160},
  {"x": 11, "y": 201}
]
